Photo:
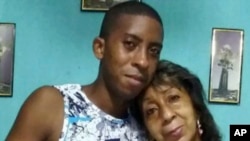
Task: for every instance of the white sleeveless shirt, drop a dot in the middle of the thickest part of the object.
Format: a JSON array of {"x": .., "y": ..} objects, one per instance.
[{"x": 84, "y": 121}]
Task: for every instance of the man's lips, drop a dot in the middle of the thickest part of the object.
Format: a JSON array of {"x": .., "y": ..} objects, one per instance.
[{"x": 135, "y": 79}]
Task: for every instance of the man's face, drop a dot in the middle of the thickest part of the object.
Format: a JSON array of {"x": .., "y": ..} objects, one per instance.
[
  {"x": 169, "y": 114},
  {"x": 131, "y": 54}
]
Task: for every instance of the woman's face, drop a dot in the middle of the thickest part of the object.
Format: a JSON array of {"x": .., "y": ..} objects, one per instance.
[{"x": 169, "y": 115}]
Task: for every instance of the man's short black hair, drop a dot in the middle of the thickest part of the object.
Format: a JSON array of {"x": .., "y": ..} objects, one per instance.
[{"x": 130, "y": 8}]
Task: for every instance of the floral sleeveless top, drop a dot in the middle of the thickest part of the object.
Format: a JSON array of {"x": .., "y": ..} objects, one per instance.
[{"x": 84, "y": 121}]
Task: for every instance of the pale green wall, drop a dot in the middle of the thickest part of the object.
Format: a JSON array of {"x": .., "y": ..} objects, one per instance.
[{"x": 53, "y": 46}]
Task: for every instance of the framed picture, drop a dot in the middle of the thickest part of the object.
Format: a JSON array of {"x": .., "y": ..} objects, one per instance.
[
  {"x": 7, "y": 43},
  {"x": 226, "y": 65},
  {"x": 100, "y": 5}
]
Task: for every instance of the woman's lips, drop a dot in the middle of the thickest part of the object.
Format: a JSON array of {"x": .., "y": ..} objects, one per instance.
[{"x": 175, "y": 133}]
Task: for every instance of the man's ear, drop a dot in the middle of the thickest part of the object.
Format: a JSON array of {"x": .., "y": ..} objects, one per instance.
[{"x": 98, "y": 47}]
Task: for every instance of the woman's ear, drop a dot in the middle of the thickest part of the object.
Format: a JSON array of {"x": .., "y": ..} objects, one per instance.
[{"x": 98, "y": 47}]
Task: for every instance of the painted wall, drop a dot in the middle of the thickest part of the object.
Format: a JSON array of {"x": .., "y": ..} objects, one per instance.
[{"x": 53, "y": 46}]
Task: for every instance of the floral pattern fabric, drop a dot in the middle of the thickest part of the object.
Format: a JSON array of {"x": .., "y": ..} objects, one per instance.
[{"x": 84, "y": 121}]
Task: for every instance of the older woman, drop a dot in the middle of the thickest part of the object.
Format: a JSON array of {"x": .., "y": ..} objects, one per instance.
[{"x": 172, "y": 108}]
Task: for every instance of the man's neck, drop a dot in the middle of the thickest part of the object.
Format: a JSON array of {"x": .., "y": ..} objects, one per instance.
[{"x": 98, "y": 94}]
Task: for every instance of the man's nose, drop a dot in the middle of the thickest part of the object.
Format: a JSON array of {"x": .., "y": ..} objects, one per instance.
[{"x": 141, "y": 59}]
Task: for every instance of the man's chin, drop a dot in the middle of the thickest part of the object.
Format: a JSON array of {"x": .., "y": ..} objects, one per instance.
[{"x": 129, "y": 95}]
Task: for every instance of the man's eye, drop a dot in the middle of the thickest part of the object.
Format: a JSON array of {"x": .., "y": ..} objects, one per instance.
[
  {"x": 173, "y": 98},
  {"x": 155, "y": 50},
  {"x": 129, "y": 44}
]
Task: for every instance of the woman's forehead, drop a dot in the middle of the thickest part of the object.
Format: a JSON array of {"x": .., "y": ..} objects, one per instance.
[
  {"x": 163, "y": 89},
  {"x": 164, "y": 86}
]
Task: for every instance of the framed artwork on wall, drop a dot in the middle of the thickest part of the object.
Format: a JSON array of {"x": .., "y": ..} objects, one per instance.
[
  {"x": 7, "y": 43},
  {"x": 100, "y": 5},
  {"x": 226, "y": 65}
]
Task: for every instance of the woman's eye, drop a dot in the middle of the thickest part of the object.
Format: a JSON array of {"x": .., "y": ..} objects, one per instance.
[
  {"x": 151, "y": 111},
  {"x": 173, "y": 98}
]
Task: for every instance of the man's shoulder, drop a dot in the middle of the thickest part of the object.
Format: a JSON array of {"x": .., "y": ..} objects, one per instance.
[
  {"x": 43, "y": 92},
  {"x": 44, "y": 95},
  {"x": 67, "y": 87},
  {"x": 69, "y": 90},
  {"x": 40, "y": 115}
]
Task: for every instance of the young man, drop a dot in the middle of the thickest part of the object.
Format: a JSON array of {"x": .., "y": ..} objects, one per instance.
[{"x": 128, "y": 48}]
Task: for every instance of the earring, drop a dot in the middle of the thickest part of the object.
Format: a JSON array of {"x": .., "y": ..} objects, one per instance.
[{"x": 199, "y": 127}]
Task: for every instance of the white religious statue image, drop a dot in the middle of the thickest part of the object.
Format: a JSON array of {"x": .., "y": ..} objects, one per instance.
[{"x": 226, "y": 63}]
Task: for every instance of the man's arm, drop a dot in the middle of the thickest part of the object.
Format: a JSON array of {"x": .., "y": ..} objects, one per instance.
[{"x": 40, "y": 117}]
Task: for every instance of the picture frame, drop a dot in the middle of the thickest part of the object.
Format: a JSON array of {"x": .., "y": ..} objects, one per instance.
[
  {"x": 226, "y": 65},
  {"x": 7, "y": 43},
  {"x": 100, "y": 5}
]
